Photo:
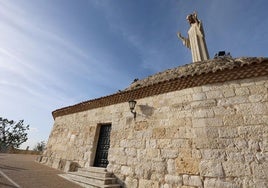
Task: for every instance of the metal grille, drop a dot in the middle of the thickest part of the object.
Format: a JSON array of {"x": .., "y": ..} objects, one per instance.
[{"x": 103, "y": 147}]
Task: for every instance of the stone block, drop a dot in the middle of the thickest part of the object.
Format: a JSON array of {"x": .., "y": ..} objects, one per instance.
[
  {"x": 148, "y": 183},
  {"x": 254, "y": 145},
  {"x": 181, "y": 106},
  {"x": 214, "y": 94},
  {"x": 131, "y": 182},
  {"x": 126, "y": 170},
  {"x": 228, "y": 92},
  {"x": 204, "y": 143},
  {"x": 230, "y": 132},
  {"x": 62, "y": 164},
  {"x": 132, "y": 161},
  {"x": 181, "y": 143},
  {"x": 120, "y": 159},
  {"x": 182, "y": 132},
  {"x": 203, "y": 104},
  {"x": 159, "y": 133},
  {"x": 224, "y": 110},
  {"x": 241, "y": 144},
  {"x": 169, "y": 153},
  {"x": 186, "y": 91},
  {"x": 152, "y": 143},
  {"x": 181, "y": 114},
  {"x": 141, "y": 125},
  {"x": 256, "y": 98},
  {"x": 39, "y": 158},
  {"x": 171, "y": 179},
  {"x": 252, "y": 109},
  {"x": 44, "y": 160},
  {"x": 171, "y": 131},
  {"x": 264, "y": 143},
  {"x": 152, "y": 153},
  {"x": 166, "y": 186},
  {"x": 132, "y": 152},
  {"x": 246, "y": 82},
  {"x": 192, "y": 180},
  {"x": 206, "y": 88},
  {"x": 242, "y": 91},
  {"x": 203, "y": 113},
  {"x": 260, "y": 170},
  {"x": 141, "y": 153},
  {"x": 206, "y": 132},
  {"x": 185, "y": 153},
  {"x": 219, "y": 183},
  {"x": 232, "y": 101},
  {"x": 213, "y": 154},
  {"x": 211, "y": 169},
  {"x": 133, "y": 143},
  {"x": 255, "y": 119},
  {"x": 159, "y": 166},
  {"x": 163, "y": 143},
  {"x": 55, "y": 163},
  {"x": 249, "y": 157},
  {"x": 197, "y": 89},
  {"x": 252, "y": 131},
  {"x": 260, "y": 183},
  {"x": 187, "y": 165},
  {"x": 158, "y": 177},
  {"x": 196, "y": 153},
  {"x": 184, "y": 98},
  {"x": 235, "y": 156},
  {"x": 258, "y": 89},
  {"x": 207, "y": 122},
  {"x": 233, "y": 120},
  {"x": 235, "y": 169},
  {"x": 139, "y": 171},
  {"x": 180, "y": 122},
  {"x": 261, "y": 157},
  {"x": 199, "y": 96},
  {"x": 171, "y": 166}
]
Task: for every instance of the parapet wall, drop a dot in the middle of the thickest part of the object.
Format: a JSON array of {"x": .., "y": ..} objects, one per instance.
[{"x": 212, "y": 135}]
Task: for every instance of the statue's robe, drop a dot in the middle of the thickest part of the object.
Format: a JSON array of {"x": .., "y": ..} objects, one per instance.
[{"x": 196, "y": 42}]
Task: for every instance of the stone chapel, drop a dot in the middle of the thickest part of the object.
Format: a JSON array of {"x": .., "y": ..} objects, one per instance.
[{"x": 201, "y": 125}]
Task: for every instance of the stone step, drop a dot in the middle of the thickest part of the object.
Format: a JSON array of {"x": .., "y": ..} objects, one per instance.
[
  {"x": 89, "y": 183},
  {"x": 93, "y": 169},
  {"x": 94, "y": 172},
  {"x": 97, "y": 180}
]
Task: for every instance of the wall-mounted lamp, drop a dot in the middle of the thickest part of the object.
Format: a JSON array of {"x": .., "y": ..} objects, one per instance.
[{"x": 132, "y": 104}]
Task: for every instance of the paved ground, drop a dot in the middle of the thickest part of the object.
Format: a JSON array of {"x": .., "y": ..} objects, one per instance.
[{"x": 26, "y": 173}]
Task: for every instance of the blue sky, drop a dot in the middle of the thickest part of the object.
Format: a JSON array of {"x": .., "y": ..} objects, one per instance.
[{"x": 56, "y": 53}]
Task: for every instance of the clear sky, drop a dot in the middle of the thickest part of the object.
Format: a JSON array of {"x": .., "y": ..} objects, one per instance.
[{"x": 56, "y": 53}]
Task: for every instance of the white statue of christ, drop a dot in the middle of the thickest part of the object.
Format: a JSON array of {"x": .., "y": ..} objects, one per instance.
[{"x": 196, "y": 39}]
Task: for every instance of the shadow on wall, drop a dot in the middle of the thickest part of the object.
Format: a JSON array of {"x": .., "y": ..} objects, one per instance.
[
  {"x": 146, "y": 110},
  {"x": 121, "y": 182}
]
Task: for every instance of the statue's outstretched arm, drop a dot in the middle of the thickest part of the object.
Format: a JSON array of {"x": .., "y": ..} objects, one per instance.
[
  {"x": 196, "y": 20},
  {"x": 185, "y": 41}
]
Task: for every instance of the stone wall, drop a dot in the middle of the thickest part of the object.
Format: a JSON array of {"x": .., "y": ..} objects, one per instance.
[{"x": 209, "y": 136}]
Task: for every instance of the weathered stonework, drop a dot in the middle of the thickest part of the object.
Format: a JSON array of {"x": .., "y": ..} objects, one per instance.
[{"x": 212, "y": 135}]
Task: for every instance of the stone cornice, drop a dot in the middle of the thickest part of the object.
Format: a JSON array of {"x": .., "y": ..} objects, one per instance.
[{"x": 251, "y": 67}]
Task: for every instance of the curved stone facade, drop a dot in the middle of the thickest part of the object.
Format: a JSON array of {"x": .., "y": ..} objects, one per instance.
[{"x": 208, "y": 135}]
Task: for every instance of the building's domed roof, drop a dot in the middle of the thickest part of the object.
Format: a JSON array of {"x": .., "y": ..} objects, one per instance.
[{"x": 195, "y": 68}]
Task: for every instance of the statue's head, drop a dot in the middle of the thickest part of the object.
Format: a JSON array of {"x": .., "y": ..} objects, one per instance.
[{"x": 190, "y": 19}]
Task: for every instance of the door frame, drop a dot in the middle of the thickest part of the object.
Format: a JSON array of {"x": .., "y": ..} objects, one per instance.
[{"x": 96, "y": 140}]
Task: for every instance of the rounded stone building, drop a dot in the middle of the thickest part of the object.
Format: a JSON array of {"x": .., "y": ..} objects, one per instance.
[{"x": 204, "y": 125}]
